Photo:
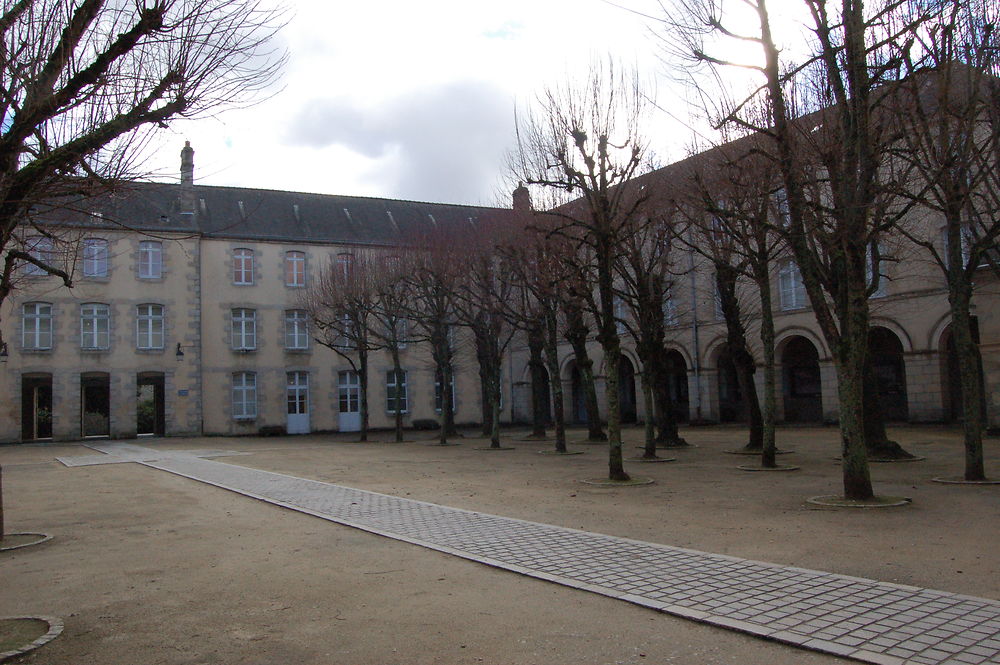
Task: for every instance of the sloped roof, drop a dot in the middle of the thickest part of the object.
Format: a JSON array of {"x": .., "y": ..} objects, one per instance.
[{"x": 263, "y": 214}]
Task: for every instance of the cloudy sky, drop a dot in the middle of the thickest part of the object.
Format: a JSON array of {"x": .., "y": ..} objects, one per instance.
[{"x": 413, "y": 100}]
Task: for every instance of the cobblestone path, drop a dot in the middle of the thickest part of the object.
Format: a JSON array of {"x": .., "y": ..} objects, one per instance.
[{"x": 857, "y": 618}]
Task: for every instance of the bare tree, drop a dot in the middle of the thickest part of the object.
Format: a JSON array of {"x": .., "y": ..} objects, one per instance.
[
  {"x": 586, "y": 142},
  {"x": 827, "y": 133},
  {"x": 482, "y": 299},
  {"x": 85, "y": 83},
  {"x": 645, "y": 275},
  {"x": 390, "y": 302},
  {"x": 435, "y": 268},
  {"x": 732, "y": 203},
  {"x": 341, "y": 304},
  {"x": 950, "y": 149}
]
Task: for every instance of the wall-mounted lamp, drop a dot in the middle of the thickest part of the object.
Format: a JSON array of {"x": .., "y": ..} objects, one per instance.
[
  {"x": 3, "y": 352},
  {"x": 180, "y": 353}
]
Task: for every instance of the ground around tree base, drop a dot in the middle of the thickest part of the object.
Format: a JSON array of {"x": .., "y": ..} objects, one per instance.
[{"x": 148, "y": 567}]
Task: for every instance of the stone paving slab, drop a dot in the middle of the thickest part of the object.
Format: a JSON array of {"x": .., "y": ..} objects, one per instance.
[{"x": 862, "y": 619}]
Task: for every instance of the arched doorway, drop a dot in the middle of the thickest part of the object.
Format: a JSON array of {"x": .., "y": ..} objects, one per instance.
[
  {"x": 578, "y": 414},
  {"x": 546, "y": 396},
  {"x": 626, "y": 390},
  {"x": 677, "y": 384},
  {"x": 801, "y": 386},
  {"x": 731, "y": 406},
  {"x": 886, "y": 357},
  {"x": 951, "y": 379}
]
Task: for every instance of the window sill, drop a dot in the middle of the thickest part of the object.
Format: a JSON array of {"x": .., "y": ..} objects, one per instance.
[
  {"x": 34, "y": 351},
  {"x": 150, "y": 351},
  {"x": 298, "y": 352},
  {"x": 94, "y": 351}
]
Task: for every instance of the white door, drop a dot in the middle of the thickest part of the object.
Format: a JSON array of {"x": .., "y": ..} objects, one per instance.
[
  {"x": 350, "y": 401},
  {"x": 297, "y": 394}
]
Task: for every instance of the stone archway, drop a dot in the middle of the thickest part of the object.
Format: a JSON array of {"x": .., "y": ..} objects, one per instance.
[
  {"x": 732, "y": 407},
  {"x": 801, "y": 386},
  {"x": 677, "y": 384},
  {"x": 951, "y": 380},
  {"x": 578, "y": 394},
  {"x": 886, "y": 357}
]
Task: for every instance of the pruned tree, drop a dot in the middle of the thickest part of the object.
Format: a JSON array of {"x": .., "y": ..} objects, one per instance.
[
  {"x": 948, "y": 109},
  {"x": 645, "y": 275},
  {"x": 729, "y": 221},
  {"x": 585, "y": 141},
  {"x": 86, "y": 83},
  {"x": 482, "y": 299},
  {"x": 435, "y": 268},
  {"x": 390, "y": 327},
  {"x": 341, "y": 303},
  {"x": 828, "y": 133}
]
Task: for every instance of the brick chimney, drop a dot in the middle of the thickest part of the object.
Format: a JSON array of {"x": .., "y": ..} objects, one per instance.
[
  {"x": 187, "y": 180},
  {"x": 522, "y": 198}
]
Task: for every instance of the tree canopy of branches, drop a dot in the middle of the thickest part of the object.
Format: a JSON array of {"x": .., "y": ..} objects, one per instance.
[
  {"x": 828, "y": 133},
  {"x": 585, "y": 142},
  {"x": 948, "y": 108},
  {"x": 85, "y": 83}
]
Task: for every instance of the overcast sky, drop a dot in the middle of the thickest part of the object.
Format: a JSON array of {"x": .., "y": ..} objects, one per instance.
[{"x": 412, "y": 100}]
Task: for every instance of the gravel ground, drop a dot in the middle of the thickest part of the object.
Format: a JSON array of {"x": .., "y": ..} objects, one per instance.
[{"x": 147, "y": 567}]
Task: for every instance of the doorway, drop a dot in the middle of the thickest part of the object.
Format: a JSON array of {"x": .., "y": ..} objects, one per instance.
[
  {"x": 36, "y": 407},
  {"x": 149, "y": 405},
  {"x": 95, "y": 404},
  {"x": 297, "y": 394},
  {"x": 349, "y": 389}
]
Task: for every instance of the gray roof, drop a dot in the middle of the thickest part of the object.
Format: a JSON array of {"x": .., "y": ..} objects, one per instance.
[{"x": 262, "y": 214}]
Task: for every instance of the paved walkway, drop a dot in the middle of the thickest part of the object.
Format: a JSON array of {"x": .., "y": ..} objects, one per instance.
[{"x": 871, "y": 621}]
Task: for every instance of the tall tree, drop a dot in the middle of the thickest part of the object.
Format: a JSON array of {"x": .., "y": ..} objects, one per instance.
[
  {"x": 949, "y": 113},
  {"x": 84, "y": 85},
  {"x": 827, "y": 133},
  {"x": 586, "y": 142},
  {"x": 341, "y": 303}
]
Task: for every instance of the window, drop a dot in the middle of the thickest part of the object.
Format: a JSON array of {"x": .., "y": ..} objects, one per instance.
[
  {"x": 345, "y": 264},
  {"x": 669, "y": 311},
  {"x": 40, "y": 249},
  {"x": 717, "y": 299},
  {"x": 438, "y": 397},
  {"x": 150, "y": 259},
  {"x": 781, "y": 208},
  {"x": 149, "y": 326},
  {"x": 244, "y": 329},
  {"x": 243, "y": 266},
  {"x": 95, "y": 326},
  {"x": 620, "y": 326},
  {"x": 36, "y": 326},
  {"x": 244, "y": 396},
  {"x": 346, "y": 340},
  {"x": 95, "y": 257},
  {"x": 395, "y": 391},
  {"x": 873, "y": 271},
  {"x": 295, "y": 269},
  {"x": 296, "y": 329},
  {"x": 791, "y": 290}
]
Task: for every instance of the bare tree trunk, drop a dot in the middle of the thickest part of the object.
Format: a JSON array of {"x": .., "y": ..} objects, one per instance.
[
  {"x": 649, "y": 425},
  {"x": 877, "y": 441},
  {"x": 850, "y": 374},
  {"x": 969, "y": 368},
  {"x": 397, "y": 372},
  {"x": 552, "y": 361},
  {"x": 1, "y": 503},
  {"x": 736, "y": 341},
  {"x": 611, "y": 344},
  {"x": 495, "y": 410},
  {"x": 576, "y": 335},
  {"x": 363, "y": 367},
  {"x": 768, "y": 447},
  {"x": 536, "y": 342}
]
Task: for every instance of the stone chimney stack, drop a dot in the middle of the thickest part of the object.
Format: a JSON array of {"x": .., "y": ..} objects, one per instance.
[
  {"x": 522, "y": 198},
  {"x": 187, "y": 179}
]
